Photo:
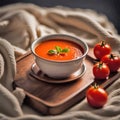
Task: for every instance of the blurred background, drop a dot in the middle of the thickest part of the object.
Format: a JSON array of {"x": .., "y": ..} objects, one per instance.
[{"x": 111, "y": 8}]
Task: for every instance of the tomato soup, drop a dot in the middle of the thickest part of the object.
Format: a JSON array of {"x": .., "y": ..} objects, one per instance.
[{"x": 60, "y": 50}]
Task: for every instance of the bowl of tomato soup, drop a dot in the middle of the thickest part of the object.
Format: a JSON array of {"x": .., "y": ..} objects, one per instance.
[{"x": 59, "y": 55}]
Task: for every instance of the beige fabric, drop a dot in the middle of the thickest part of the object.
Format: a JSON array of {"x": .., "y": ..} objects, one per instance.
[{"x": 20, "y": 25}]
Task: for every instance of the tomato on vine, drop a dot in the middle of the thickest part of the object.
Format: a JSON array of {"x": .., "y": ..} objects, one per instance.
[
  {"x": 101, "y": 49},
  {"x": 101, "y": 70},
  {"x": 113, "y": 61},
  {"x": 96, "y": 96}
]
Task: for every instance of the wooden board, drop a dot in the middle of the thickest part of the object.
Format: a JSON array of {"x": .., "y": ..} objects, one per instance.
[{"x": 50, "y": 98}]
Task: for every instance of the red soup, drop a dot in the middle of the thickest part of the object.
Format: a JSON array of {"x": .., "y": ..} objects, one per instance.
[{"x": 59, "y": 50}]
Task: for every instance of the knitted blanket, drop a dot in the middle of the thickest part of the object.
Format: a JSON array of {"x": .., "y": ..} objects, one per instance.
[{"x": 20, "y": 25}]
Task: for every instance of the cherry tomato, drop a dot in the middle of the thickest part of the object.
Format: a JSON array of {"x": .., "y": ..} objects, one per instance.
[
  {"x": 96, "y": 96},
  {"x": 101, "y": 49},
  {"x": 101, "y": 70},
  {"x": 113, "y": 61}
]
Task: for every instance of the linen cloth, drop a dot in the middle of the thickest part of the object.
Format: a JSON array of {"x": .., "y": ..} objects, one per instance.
[{"x": 20, "y": 25}]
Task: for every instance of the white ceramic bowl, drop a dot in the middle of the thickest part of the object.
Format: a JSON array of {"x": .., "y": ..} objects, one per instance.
[{"x": 61, "y": 69}]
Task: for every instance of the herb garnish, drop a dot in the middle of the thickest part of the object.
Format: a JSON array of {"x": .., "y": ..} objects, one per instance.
[{"x": 58, "y": 50}]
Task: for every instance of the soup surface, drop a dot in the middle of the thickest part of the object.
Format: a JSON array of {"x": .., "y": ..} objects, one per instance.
[{"x": 59, "y": 50}]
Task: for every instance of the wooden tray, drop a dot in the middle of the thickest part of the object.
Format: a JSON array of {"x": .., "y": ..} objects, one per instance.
[{"x": 50, "y": 98}]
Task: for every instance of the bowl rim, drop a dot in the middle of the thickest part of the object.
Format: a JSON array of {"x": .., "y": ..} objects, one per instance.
[{"x": 57, "y": 35}]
